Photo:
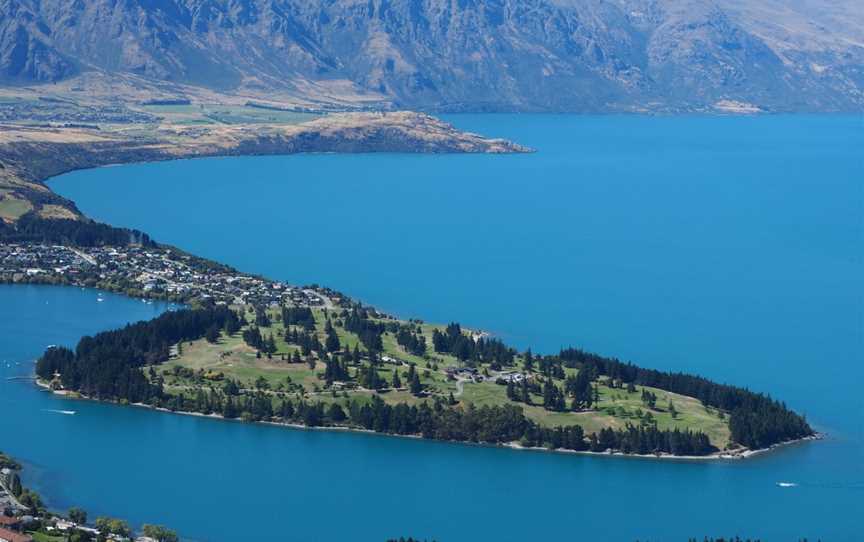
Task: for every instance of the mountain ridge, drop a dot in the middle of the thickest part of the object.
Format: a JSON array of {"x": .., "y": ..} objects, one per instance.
[{"x": 459, "y": 55}]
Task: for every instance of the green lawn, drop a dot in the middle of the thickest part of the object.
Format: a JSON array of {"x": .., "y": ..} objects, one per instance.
[
  {"x": 187, "y": 109},
  {"x": 234, "y": 359},
  {"x": 12, "y": 208},
  {"x": 617, "y": 408},
  {"x": 42, "y": 537},
  {"x": 226, "y": 114}
]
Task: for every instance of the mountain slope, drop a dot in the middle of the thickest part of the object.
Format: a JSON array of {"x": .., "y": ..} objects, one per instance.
[{"x": 555, "y": 55}]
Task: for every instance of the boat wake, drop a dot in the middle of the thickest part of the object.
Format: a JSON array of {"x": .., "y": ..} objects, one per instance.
[{"x": 66, "y": 412}]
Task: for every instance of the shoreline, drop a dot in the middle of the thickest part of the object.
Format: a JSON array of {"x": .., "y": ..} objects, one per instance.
[
  {"x": 728, "y": 455},
  {"x": 32, "y": 156}
]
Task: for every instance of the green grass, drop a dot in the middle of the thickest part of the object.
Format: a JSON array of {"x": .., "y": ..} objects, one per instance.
[
  {"x": 442, "y": 360},
  {"x": 616, "y": 409},
  {"x": 226, "y": 114},
  {"x": 244, "y": 115},
  {"x": 42, "y": 537},
  {"x": 12, "y": 208},
  {"x": 172, "y": 109},
  {"x": 236, "y": 360}
]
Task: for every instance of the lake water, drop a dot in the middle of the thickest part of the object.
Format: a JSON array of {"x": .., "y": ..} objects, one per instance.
[{"x": 731, "y": 247}]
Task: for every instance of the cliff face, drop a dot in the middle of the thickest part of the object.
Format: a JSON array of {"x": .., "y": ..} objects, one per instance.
[
  {"x": 27, "y": 52},
  {"x": 567, "y": 55}
]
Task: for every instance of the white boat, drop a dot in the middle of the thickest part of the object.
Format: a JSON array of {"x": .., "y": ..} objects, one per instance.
[{"x": 787, "y": 484}]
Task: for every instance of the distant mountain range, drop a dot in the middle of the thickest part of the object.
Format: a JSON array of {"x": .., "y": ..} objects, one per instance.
[{"x": 460, "y": 55}]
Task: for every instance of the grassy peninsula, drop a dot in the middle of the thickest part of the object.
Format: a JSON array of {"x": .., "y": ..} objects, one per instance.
[
  {"x": 263, "y": 351},
  {"x": 292, "y": 370}
]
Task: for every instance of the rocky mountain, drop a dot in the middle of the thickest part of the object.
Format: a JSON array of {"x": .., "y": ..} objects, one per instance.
[{"x": 452, "y": 55}]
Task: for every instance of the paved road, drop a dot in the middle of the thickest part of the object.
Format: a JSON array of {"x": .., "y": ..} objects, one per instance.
[{"x": 327, "y": 303}]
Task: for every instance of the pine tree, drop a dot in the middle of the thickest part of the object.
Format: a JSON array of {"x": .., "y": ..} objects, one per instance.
[
  {"x": 212, "y": 334},
  {"x": 228, "y": 409},
  {"x": 581, "y": 390},
  {"x": 548, "y": 394},
  {"x": 511, "y": 391},
  {"x": 78, "y": 515},
  {"x": 15, "y": 485},
  {"x": 270, "y": 345},
  {"x": 332, "y": 341},
  {"x": 335, "y": 413},
  {"x": 529, "y": 361},
  {"x": 368, "y": 377},
  {"x": 416, "y": 387},
  {"x": 526, "y": 395},
  {"x": 397, "y": 383}
]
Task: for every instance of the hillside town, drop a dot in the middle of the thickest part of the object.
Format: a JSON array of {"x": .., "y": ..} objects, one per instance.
[{"x": 153, "y": 273}]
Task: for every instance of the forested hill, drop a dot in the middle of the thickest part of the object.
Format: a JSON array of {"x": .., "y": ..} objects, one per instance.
[
  {"x": 471, "y": 55},
  {"x": 122, "y": 365},
  {"x": 107, "y": 364}
]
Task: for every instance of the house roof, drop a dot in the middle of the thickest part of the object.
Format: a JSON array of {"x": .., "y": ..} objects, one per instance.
[
  {"x": 11, "y": 536},
  {"x": 6, "y": 520}
]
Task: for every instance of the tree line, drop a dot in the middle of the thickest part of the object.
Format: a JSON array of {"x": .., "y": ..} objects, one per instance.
[
  {"x": 413, "y": 342},
  {"x": 357, "y": 321},
  {"x": 437, "y": 419},
  {"x": 298, "y": 316},
  {"x": 756, "y": 420},
  {"x": 483, "y": 350},
  {"x": 106, "y": 365},
  {"x": 31, "y": 228}
]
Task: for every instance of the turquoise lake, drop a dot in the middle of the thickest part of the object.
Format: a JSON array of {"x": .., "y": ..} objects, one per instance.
[{"x": 731, "y": 247}]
